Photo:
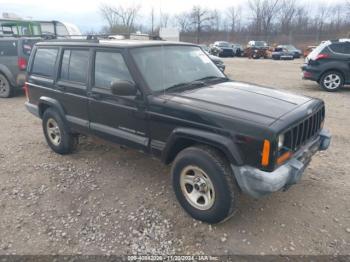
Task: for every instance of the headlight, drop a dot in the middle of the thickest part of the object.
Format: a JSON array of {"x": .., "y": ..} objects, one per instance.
[{"x": 280, "y": 141}]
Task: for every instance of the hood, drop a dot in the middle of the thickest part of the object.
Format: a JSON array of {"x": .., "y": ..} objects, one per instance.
[
  {"x": 215, "y": 58},
  {"x": 242, "y": 100}
]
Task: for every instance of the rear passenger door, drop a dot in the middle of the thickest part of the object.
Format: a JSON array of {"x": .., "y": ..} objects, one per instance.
[
  {"x": 72, "y": 82},
  {"x": 120, "y": 119}
]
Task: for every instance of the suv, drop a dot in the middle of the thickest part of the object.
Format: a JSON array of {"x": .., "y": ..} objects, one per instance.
[
  {"x": 170, "y": 100},
  {"x": 328, "y": 64},
  {"x": 222, "y": 49},
  {"x": 14, "y": 54}
]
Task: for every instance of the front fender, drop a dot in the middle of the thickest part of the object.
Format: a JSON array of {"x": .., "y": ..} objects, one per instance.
[{"x": 222, "y": 143}]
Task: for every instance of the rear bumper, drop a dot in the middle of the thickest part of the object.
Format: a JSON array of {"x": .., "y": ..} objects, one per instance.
[
  {"x": 257, "y": 183},
  {"x": 309, "y": 73},
  {"x": 32, "y": 109}
]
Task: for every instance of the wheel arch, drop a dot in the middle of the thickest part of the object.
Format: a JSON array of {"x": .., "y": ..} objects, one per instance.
[
  {"x": 340, "y": 71},
  {"x": 7, "y": 73},
  {"x": 47, "y": 102},
  {"x": 182, "y": 138}
]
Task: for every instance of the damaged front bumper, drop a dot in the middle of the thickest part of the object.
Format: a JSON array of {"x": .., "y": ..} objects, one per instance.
[{"x": 257, "y": 183}]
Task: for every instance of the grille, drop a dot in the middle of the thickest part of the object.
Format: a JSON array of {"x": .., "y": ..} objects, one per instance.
[
  {"x": 303, "y": 132},
  {"x": 227, "y": 52}
]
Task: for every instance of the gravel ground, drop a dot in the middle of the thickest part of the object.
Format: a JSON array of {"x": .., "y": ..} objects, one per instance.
[{"x": 105, "y": 199}]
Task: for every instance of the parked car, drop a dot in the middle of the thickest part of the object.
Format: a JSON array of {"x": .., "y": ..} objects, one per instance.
[
  {"x": 292, "y": 49},
  {"x": 237, "y": 49},
  {"x": 169, "y": 100},
  {"x": 217, "y": 61},
  {"x": 256, "y": 49},
  {"x": 328, "y": 64},
  {"x": 281, "y": 54},
  {"x": 222, "y": 49},
  {"x": 14, "y": 54},
  {"x": 308, "y": 50}
]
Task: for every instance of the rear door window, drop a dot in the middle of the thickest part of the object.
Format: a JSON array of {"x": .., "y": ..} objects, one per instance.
[
  {"x": 44, "y": 61},
  {"x": 75, "y": 65},
  {"x": 8, "y": 48}
]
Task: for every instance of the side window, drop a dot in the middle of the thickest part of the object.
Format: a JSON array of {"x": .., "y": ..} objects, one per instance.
[
  {"x": 44, "y": 61},
  {"x": 8, "y": 48},
  {"x": 110, "y": 67},
  {"x": 338, "y": 48},
  {"x": 75, "y": 65}
]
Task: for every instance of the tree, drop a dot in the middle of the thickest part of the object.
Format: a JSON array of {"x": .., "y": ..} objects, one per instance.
[
  {"x": 120, "y": 17},
  {"x": 234, "y": 18},
  {"x": 183, "y": 21},
  {"x": 286, "y": 16},
  {"x": 200, "y": 18}
]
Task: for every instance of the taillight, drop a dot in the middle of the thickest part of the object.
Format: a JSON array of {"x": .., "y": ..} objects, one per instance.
[
  {"x": 22, "y": 63},
  {"x": 321, "y": 56},
  {"x": 25, "y": 88}
]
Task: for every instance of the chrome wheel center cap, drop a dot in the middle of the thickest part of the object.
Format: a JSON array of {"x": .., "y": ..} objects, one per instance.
[{"x": 200, "y": 185}]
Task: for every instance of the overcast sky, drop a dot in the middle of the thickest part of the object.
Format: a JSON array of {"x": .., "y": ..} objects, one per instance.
[{"x": 85, "y": 13}]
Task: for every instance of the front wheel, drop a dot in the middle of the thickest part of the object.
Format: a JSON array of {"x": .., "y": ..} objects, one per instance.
[
  {"x": 332, "y": 81},
  {"x": 5, "y": 87},
  {"x": 204, "y": 184}
]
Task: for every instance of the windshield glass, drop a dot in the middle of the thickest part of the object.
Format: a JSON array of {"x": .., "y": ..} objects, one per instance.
[
  {"x": 163, "y": 67},
  {"x": 260, "y": 43},
  {"x": 223, "y": 44}
]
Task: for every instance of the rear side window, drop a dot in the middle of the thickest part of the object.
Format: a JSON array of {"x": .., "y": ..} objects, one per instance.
[
  {"x": 75, "y": 65},
  {"x": 338, "y": 48},
  {"x": 44, "y": 61},
  {"x": 8, "y": 48},
  {"x": 110, "y": 67}
]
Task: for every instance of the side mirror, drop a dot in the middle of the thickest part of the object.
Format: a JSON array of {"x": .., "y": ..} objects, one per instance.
[{"x": 123, "y": 88}]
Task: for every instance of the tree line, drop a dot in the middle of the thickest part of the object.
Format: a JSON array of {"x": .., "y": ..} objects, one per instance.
[{"x": 262, "y": 19}]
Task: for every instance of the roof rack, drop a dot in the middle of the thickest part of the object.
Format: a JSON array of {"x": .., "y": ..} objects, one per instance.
[{"x": 90, "y": 37}]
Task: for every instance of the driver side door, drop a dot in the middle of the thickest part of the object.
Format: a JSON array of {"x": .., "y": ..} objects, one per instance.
[{"x": 120, "y": 119}]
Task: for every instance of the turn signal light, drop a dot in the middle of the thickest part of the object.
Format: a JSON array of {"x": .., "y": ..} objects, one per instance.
[
  {"x": 283, "y": 158},
  {"x": 266, "y": 153}
]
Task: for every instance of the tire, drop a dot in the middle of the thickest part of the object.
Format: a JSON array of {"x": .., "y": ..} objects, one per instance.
[
  {"x": 6, "y": 89},
  {"x": 201, "y": 164},
  {"x": 332, "y": 81},
  {"x": 57, "y": 133}
]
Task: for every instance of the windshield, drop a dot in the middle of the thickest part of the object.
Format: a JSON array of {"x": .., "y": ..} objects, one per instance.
[
  {"x": 260, "y": 43},
  {"x": 163, "y": 67},
  {"x": 223, "y": 44}
]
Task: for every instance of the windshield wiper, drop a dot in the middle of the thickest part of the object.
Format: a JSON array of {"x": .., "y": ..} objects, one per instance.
[
  {"x": 213, "y": 78},
  {"x": 185, "y": 85}
]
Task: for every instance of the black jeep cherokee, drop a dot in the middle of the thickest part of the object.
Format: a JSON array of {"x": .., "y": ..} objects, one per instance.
[{"x": 169, "y": 100}]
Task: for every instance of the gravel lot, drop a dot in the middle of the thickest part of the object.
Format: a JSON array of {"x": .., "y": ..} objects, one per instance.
[{"x": 104, "y": 199}]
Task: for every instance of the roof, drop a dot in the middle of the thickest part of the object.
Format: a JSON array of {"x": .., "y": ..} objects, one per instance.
[{"x": 112, "y": 43}]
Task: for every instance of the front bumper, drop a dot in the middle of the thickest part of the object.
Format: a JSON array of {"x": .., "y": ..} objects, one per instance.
[{"x": 257, "y": 183}]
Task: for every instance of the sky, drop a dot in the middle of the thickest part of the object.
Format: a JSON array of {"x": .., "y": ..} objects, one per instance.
[{"x": 85, "y": 13}]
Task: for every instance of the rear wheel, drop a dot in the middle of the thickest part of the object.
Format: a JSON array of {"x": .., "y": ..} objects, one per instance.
[
  {"x": 5, "y": 87},
  {"x": 204, "y": 184},
  {"x": 332, "y": 81},
  {"x": 57, "y": 133}
]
